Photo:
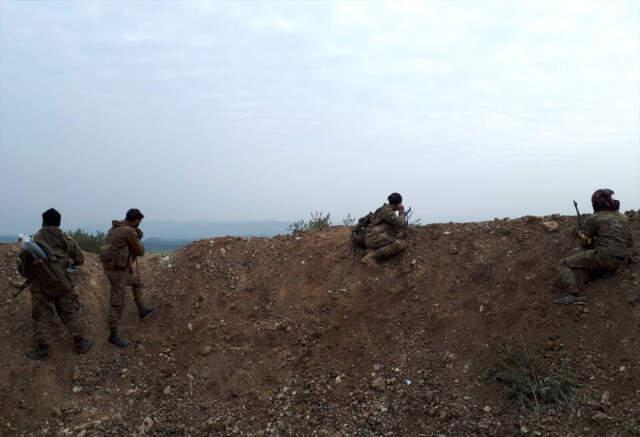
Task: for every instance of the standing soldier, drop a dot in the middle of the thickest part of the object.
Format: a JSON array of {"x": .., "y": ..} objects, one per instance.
[
  {"x": 52, "y": 287},
  {"x": 119, "y": 257},
  {"x": 385, "y": 235},
  {"x": 606, "y": 240}
]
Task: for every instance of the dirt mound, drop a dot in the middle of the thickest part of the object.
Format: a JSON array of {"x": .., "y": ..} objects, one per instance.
[{"x": 293, "y": 336}]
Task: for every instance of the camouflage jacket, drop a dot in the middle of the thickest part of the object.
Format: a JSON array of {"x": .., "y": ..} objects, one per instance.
[
  {"x": 62, "y": 250},
  {"x": 386, "y": 221},
  {"x": 610, "y": 233},
  {"x": 121, "y": 248},
  {"x": 59, "y": 246}
]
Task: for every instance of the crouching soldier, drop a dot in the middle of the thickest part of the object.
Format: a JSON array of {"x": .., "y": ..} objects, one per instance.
[
  {"x": 47, "y": 267},
  {"x": 385, "y": 234},
  {"x": 118, "y": 256},
  {"x": 605, "y": 240}
]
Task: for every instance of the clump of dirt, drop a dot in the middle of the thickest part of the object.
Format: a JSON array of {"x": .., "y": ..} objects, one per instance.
[{"x": 294, "y": 336}]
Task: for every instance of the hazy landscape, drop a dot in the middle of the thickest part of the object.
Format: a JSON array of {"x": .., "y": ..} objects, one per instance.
[{"x": 164, "y": 236}]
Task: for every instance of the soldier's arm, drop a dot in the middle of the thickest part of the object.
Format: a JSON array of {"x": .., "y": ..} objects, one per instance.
[
  {"x": 394, "y": 220},
  {"x": 75, "y": 253},
  {"x": 590, "y": 231},
  {"x": 591, "y": 226},
  {"x": 136, "y": 246}
]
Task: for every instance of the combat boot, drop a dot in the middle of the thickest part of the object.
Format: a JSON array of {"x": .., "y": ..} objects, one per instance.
[
  {"x": 82, "y": 345},
  {"x": 573, "y": 297},
  {"x": 370, "y": 260},
  {"x": 39, "y": 353},
  {"x": 144, "y": 312},
  {"x": 117, "y": 341}
]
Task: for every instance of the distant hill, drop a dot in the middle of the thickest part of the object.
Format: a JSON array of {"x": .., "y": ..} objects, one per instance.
[
  {"x": 197, "y": 230},
  {"x": 155, "y": 245},
  {"x": 166, "y": 236}
]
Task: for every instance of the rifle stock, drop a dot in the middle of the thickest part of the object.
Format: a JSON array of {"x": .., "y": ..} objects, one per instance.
[{"x": 22, "y": 288}]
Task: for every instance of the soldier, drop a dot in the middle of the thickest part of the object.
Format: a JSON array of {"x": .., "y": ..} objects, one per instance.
[
  {"x": 606, "y": 240},
  {"x": 118, "y": 257},
  {"x": 53, "y": 292},
  {"x": 385, "y": 235}
]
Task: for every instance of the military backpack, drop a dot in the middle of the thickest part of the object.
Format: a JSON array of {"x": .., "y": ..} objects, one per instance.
[{"x": 359, "y": 231}]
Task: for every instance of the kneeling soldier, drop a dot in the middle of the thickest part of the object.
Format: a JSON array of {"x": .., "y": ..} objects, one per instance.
[
  {"x": 385, "y": 235},
  {"x": 606, "y": 240}
]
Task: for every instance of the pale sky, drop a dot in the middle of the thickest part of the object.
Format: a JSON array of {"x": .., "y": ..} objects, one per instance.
[{"x": 255, "y": 110}]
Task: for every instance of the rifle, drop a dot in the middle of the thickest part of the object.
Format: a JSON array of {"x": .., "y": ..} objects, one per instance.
[
  {"x": 407, "y": 216},
  {"x": 580, "y": 222},
  {"x": 581, "y": 233},
  {"x": 22, "y": 288}
]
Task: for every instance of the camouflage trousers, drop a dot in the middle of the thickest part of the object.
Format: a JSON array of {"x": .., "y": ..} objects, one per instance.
[
  {"x": 120, "y": 280},
  {"x": 587, "y": 261},
  {"x": 44, "y": 309},
  {"x": 384, "y": 245}
]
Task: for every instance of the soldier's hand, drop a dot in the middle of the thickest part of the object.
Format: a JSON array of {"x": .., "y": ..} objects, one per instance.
[
  {"x": 401, "y": 208},
  {"x": 140, "y": 233}
]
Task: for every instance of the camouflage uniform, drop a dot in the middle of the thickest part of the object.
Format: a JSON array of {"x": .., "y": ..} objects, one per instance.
[
  {"x": 610, "y": 237},
  {"x": 44, "y": 302},
  {"x": 386, "y": 233},
  {"x": 122, "y": 247}
]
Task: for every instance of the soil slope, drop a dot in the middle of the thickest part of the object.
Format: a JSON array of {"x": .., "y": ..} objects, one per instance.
[{"x": 293, "y": 336}]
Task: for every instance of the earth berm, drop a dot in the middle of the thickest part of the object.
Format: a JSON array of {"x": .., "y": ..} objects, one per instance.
[{"x": 294, "y": 336}]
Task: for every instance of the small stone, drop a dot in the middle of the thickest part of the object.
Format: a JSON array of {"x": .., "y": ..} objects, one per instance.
[
  {"x": 76, "y": 375},
  {"x": 379, "y": 384},
  {"x": 601, "y": 417},
  {"x": 76, "y": 389},
  {"x": 147, "y": 425},
  {"x": 206, "y": 351},
  {"x": 622, "y": 369},
  {"x": 524, "y": 430},
  {"x": 550, "y": 226},
  {"x": 167, "y": 391},
  {"x": 604, "y": 399},
  {"x": 487, "y": 409}
]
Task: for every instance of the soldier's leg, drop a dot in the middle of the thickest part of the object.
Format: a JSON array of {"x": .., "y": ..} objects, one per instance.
[
  {"x": 43, "y": 322},
  {"x": 137, "y": 287},
  {"x": 391, "y": 249},
  {"x": 585, "y": 260},
  {"x": 118, "y": 281},
  {"x": 385, "y": 246},
  {"x": 68, "y": 307}
]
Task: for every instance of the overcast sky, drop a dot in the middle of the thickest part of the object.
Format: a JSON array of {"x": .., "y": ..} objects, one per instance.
[{"x": 254, "y": 110}]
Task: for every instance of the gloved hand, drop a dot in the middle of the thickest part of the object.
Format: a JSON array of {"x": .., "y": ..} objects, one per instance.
[
  {"x": 586, "y": 241},
  {"x": 140, "y": 233}
]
